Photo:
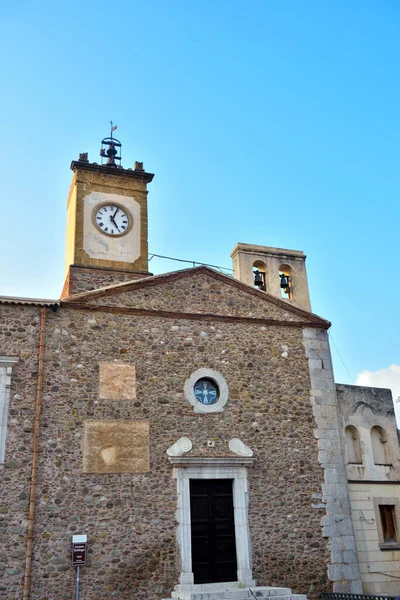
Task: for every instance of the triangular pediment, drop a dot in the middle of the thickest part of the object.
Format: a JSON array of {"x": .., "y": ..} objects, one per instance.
[{"x": 197, "y": 291}]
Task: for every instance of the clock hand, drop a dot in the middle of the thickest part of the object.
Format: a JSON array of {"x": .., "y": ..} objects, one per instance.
[
  {"x": 113, "y": 221},
  {"x": 113, "y": 217}
]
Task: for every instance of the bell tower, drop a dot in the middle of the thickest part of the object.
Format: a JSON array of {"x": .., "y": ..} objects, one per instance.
[
  {"x": 106, "y": 221},
  {"x": 277, "y": 271}
]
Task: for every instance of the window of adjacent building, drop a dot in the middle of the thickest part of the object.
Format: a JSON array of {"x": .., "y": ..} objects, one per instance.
[
  {"x": 387, "y": 513},
  {"x": 387, "y": 522},
  {"x": 380, "y": 449},
  {"x": 6, "y": 365},
  {"x": 353, "y": 447}
]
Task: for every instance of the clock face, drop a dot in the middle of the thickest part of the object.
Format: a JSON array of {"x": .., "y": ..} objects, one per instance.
[
  {"x": 112, "y": 219},
  {"x": 206, "y": 391}
]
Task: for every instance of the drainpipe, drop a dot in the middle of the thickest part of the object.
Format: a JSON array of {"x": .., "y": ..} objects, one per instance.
[
  {"x": 35, "y": 457},
  {"x": 364, "y": 520}
]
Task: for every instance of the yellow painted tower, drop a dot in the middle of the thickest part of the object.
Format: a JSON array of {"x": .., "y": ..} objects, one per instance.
[{"x": 107, "y": 229}]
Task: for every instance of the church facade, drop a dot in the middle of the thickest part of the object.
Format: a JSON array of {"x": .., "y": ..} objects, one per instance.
[{"x": 186, "y": 423}]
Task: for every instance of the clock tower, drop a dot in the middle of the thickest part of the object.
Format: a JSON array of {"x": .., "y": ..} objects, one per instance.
[{"x": 106, "y": 222}]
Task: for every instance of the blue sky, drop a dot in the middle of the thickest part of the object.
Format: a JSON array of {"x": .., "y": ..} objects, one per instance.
[{"x": 266, "y": 122}]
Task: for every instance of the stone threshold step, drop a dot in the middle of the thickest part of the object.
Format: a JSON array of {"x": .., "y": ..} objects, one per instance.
[
  {"x": 268, "y": 593},
  {"x": 245, "y": 597}
]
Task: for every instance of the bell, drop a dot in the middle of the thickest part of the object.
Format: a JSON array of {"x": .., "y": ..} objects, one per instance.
[
  {"x": 284, "y": 281},
  {"x": 258, "y": 278}
]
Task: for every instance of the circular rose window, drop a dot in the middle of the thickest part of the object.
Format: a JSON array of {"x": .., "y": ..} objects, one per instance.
[{"x": 206, "y": 391}]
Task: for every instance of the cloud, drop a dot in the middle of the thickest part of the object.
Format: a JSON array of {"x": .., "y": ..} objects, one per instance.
[{"x": 385, "y": 378}]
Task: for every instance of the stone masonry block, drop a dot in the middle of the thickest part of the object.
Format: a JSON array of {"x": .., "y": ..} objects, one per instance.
[
  {"x": 329, "y": 531},
  {"x": 335, "y": 572},
  {"x": 334, "y": 489},
  {"x": 315, "y": 363},
  {"x": 344, "y": 525},
  {"x": 356, "y": 587},
  {"x": 321, "y": 334},
  {"x": 117, "y": 381},
  {"x": 332, "y": 476},
  {"x": 329, "y": 444},
  {"x": 326, "y": 433},
  {"x": 116, "y": 447},
  {"x": 329, "y": 457},
  {"x": 349, "y": 542},
  {"x": 326, "y": 357},
  {"x": 328, "y": 412},
  {"x": 312, "y": 353},
  {"x": 350, "y": 556},
  {"x": 336, "y": 545},
  {"x": 336, "y": 556},
  {"x": 341, "y": 588},
  {"x": 350, "y": 571},
  {"x": 309, "y": 333}
]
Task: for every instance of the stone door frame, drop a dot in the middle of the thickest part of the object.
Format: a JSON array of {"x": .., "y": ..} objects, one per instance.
[{"x": 186, "y": 468}]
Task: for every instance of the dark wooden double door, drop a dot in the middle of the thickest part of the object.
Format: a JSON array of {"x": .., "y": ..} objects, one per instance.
[{"x": 213, "y": 530}]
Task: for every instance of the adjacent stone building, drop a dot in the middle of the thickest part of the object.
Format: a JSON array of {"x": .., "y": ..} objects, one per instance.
[
  {"x": 187, "y": 423},
  {"x": 370, "y": 435}
]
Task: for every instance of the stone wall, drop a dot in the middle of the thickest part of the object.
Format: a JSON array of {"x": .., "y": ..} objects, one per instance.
[
  {"x": 201, "y": 291},
  {"x": 84, "y": 279},
  {"x": 372, "y": 485},
  {"x": 364, "y": 408},
  {"x": 337, "y": 524},
  {"x": 130, "y": 517},
  {"x": 380, "y": 568},
  {"x": 19, "y": 336}
]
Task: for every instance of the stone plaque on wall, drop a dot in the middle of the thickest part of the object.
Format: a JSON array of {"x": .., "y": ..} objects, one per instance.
[
  {"x": 116, "y": 447},
  {"x": 117, "y": 381}
]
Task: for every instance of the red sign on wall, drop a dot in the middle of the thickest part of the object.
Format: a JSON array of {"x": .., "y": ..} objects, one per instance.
[{"x": 78, "y": 555}]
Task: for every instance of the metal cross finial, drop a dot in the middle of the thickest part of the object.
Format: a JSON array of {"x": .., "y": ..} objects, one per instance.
[
  {"x": 112, "y": 127},
  {"x": 111, "y": 153}
]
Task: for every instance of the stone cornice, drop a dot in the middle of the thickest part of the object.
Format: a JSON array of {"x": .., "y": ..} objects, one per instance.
[
  {"x": 116, "y": 171},
  {"x": 8, "y": 361},
  {"x": 210, "y": 461},
  {"x": 267, "y": 250},
  {"x": 111, "y": 270}
]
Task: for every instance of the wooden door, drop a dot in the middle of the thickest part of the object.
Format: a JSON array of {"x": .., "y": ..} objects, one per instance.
[{"x": 213, "y": 530}]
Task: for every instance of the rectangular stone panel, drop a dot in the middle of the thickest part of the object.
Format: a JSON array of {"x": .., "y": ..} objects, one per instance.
[
  {"x": 117, "y": 381},
  {"x": 116, "y": 447}
]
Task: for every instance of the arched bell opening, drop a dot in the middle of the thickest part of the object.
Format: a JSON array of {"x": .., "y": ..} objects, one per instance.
[
  {"x": 260, "y": 275},
  {"x": 286, "y": 281}
]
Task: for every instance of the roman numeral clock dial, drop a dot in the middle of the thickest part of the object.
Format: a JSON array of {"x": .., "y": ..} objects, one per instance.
[{"x": 112, "y": 219}]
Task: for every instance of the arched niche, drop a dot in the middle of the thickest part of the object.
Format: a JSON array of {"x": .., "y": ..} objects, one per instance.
[
  {"x": 260, "y": 267},
  {"x": 286, "y": 275},
  {"x": 380, "y": 450},
  {"x": 353, "y": 446}
]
